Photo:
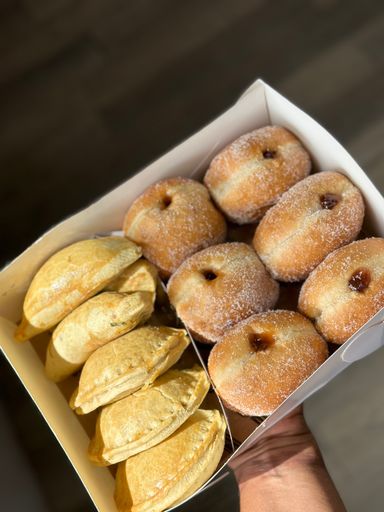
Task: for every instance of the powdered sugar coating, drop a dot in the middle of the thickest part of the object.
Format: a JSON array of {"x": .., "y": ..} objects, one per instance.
[
  {"x": 244, "y": 183},
  {"x": 326, "y": 297},
  {"x": 256, "y": 382},
  {"x": 173, "y": 219},
  {"x": 241, "y": 288},
  {"x": 298, "y": 232}
]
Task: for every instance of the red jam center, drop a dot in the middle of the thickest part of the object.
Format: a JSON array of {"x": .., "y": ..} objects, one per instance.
[
  {"x": 328, "y": 201},
  {"x": 269, "y": 153},
  {"x": 209, "y": 275},
  {"x": 360, "y": 280},
  {"x": 260, "y": 341},
  {"x": 166, "y": 201}
]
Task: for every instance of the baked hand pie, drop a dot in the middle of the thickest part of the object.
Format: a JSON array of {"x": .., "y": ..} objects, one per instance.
[
  {"x": 147, "y": 417},
  {"x": 139, "y": 277},
  {"x": 166, "y": 474},
  {"x": 91, "y": 325},
  {"x": 127, "y": 364},
  {"x": 70, "y": 277}
]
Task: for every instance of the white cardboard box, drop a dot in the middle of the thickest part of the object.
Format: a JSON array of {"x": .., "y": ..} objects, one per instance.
[{"x": 259, "y": 105}]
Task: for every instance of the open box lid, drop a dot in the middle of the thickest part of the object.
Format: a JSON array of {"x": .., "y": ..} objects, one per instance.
[{"x": 260, "y": 105}]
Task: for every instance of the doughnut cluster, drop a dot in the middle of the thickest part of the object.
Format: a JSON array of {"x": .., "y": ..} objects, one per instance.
[{"x": 224, "y": 292}]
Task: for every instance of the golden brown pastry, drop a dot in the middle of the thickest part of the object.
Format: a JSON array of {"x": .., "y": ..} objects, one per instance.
[
  {"x": 70, "y": 277},
  {"x": 249, "y": 175},
  {"x": 91, "y": 325},
  {"x": 262, "y": 360},
  {"x": 173, "y": 219},
  {"x": 316, "y": 216},
  {"x": 168, "y": 473},
  {"x": 127, "y": 364},
  {"x": 139, "y": 277},
  {"x": 346, "y": 289},
  {"x": 216, "y": 288},
  {"x": 147, "y": 417}
]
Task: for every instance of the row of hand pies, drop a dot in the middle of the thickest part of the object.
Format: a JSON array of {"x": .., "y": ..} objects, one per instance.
[{"x": 149, "y": 413}]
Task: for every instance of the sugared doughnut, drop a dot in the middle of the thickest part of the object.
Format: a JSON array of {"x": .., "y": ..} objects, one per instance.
[
  {"x": 173, "y": 219},
  {"x": 216, "y": 288},
  {"x": 250, "y": 174},
  {"x": 313, "y": 218},
  {"x": 346, "y": 289},
  {"x": 263, "y": 359}
]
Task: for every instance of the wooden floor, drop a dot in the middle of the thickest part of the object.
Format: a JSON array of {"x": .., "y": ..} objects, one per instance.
[{"x": 92, "y": 90}]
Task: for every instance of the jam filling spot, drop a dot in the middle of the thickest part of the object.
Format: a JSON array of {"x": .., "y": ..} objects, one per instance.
[
  {"x": 269, "y": 153},
  {"x": 360, "y": 280},
  {"x": 260, "y": 341},
  {"x": 209, "y": 275},
  {"x": 166, "y": 201},
  {"x": 328, "y": 201}
]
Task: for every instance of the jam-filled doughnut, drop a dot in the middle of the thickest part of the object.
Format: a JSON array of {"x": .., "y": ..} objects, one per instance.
[
  {"x": 346, "y": 289},
  {"x": 313, "y": 218},
  {"x": 251, "y": 173},
  {"x": 216, "y": 288},
  {"x": 173, "y": 219},
  {"x": 263, "y": 359}
]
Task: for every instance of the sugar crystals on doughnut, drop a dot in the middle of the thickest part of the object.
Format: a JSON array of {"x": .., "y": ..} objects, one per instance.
[
  {"x": 218, "y": 287},
  {"x": 346, "y": 289},
  {"x": 263, "y": 359},
  {"x": 250, "y": 174},
  {"x": 173, "y": 219},
  {"x": 313, "y": 218}
]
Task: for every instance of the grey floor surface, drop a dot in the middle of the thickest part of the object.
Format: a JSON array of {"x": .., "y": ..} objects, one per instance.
[{"x": 92, "y": 90}]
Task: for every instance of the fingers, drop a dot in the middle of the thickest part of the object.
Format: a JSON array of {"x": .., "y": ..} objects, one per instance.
[
  {"x": 288, "y": 440},
  {"x": 292, "y": 424}
]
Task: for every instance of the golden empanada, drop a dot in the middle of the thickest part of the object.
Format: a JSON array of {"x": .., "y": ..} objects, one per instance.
[
  {"x": 127, "y": 364},
  {"x": 166, "y": 474},
  {"x": 139, "y": 277},
  {"x": 91, "y": 325},
  {"x": 70, "y": 277},
  {"x": 146, "y": 418}
]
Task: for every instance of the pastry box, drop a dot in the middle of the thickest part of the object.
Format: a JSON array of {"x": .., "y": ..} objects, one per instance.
[{"x": 258, "y": 106}]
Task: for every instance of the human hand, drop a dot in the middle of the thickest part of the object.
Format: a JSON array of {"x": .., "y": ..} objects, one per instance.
[{"x": 284, "y": 471}]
